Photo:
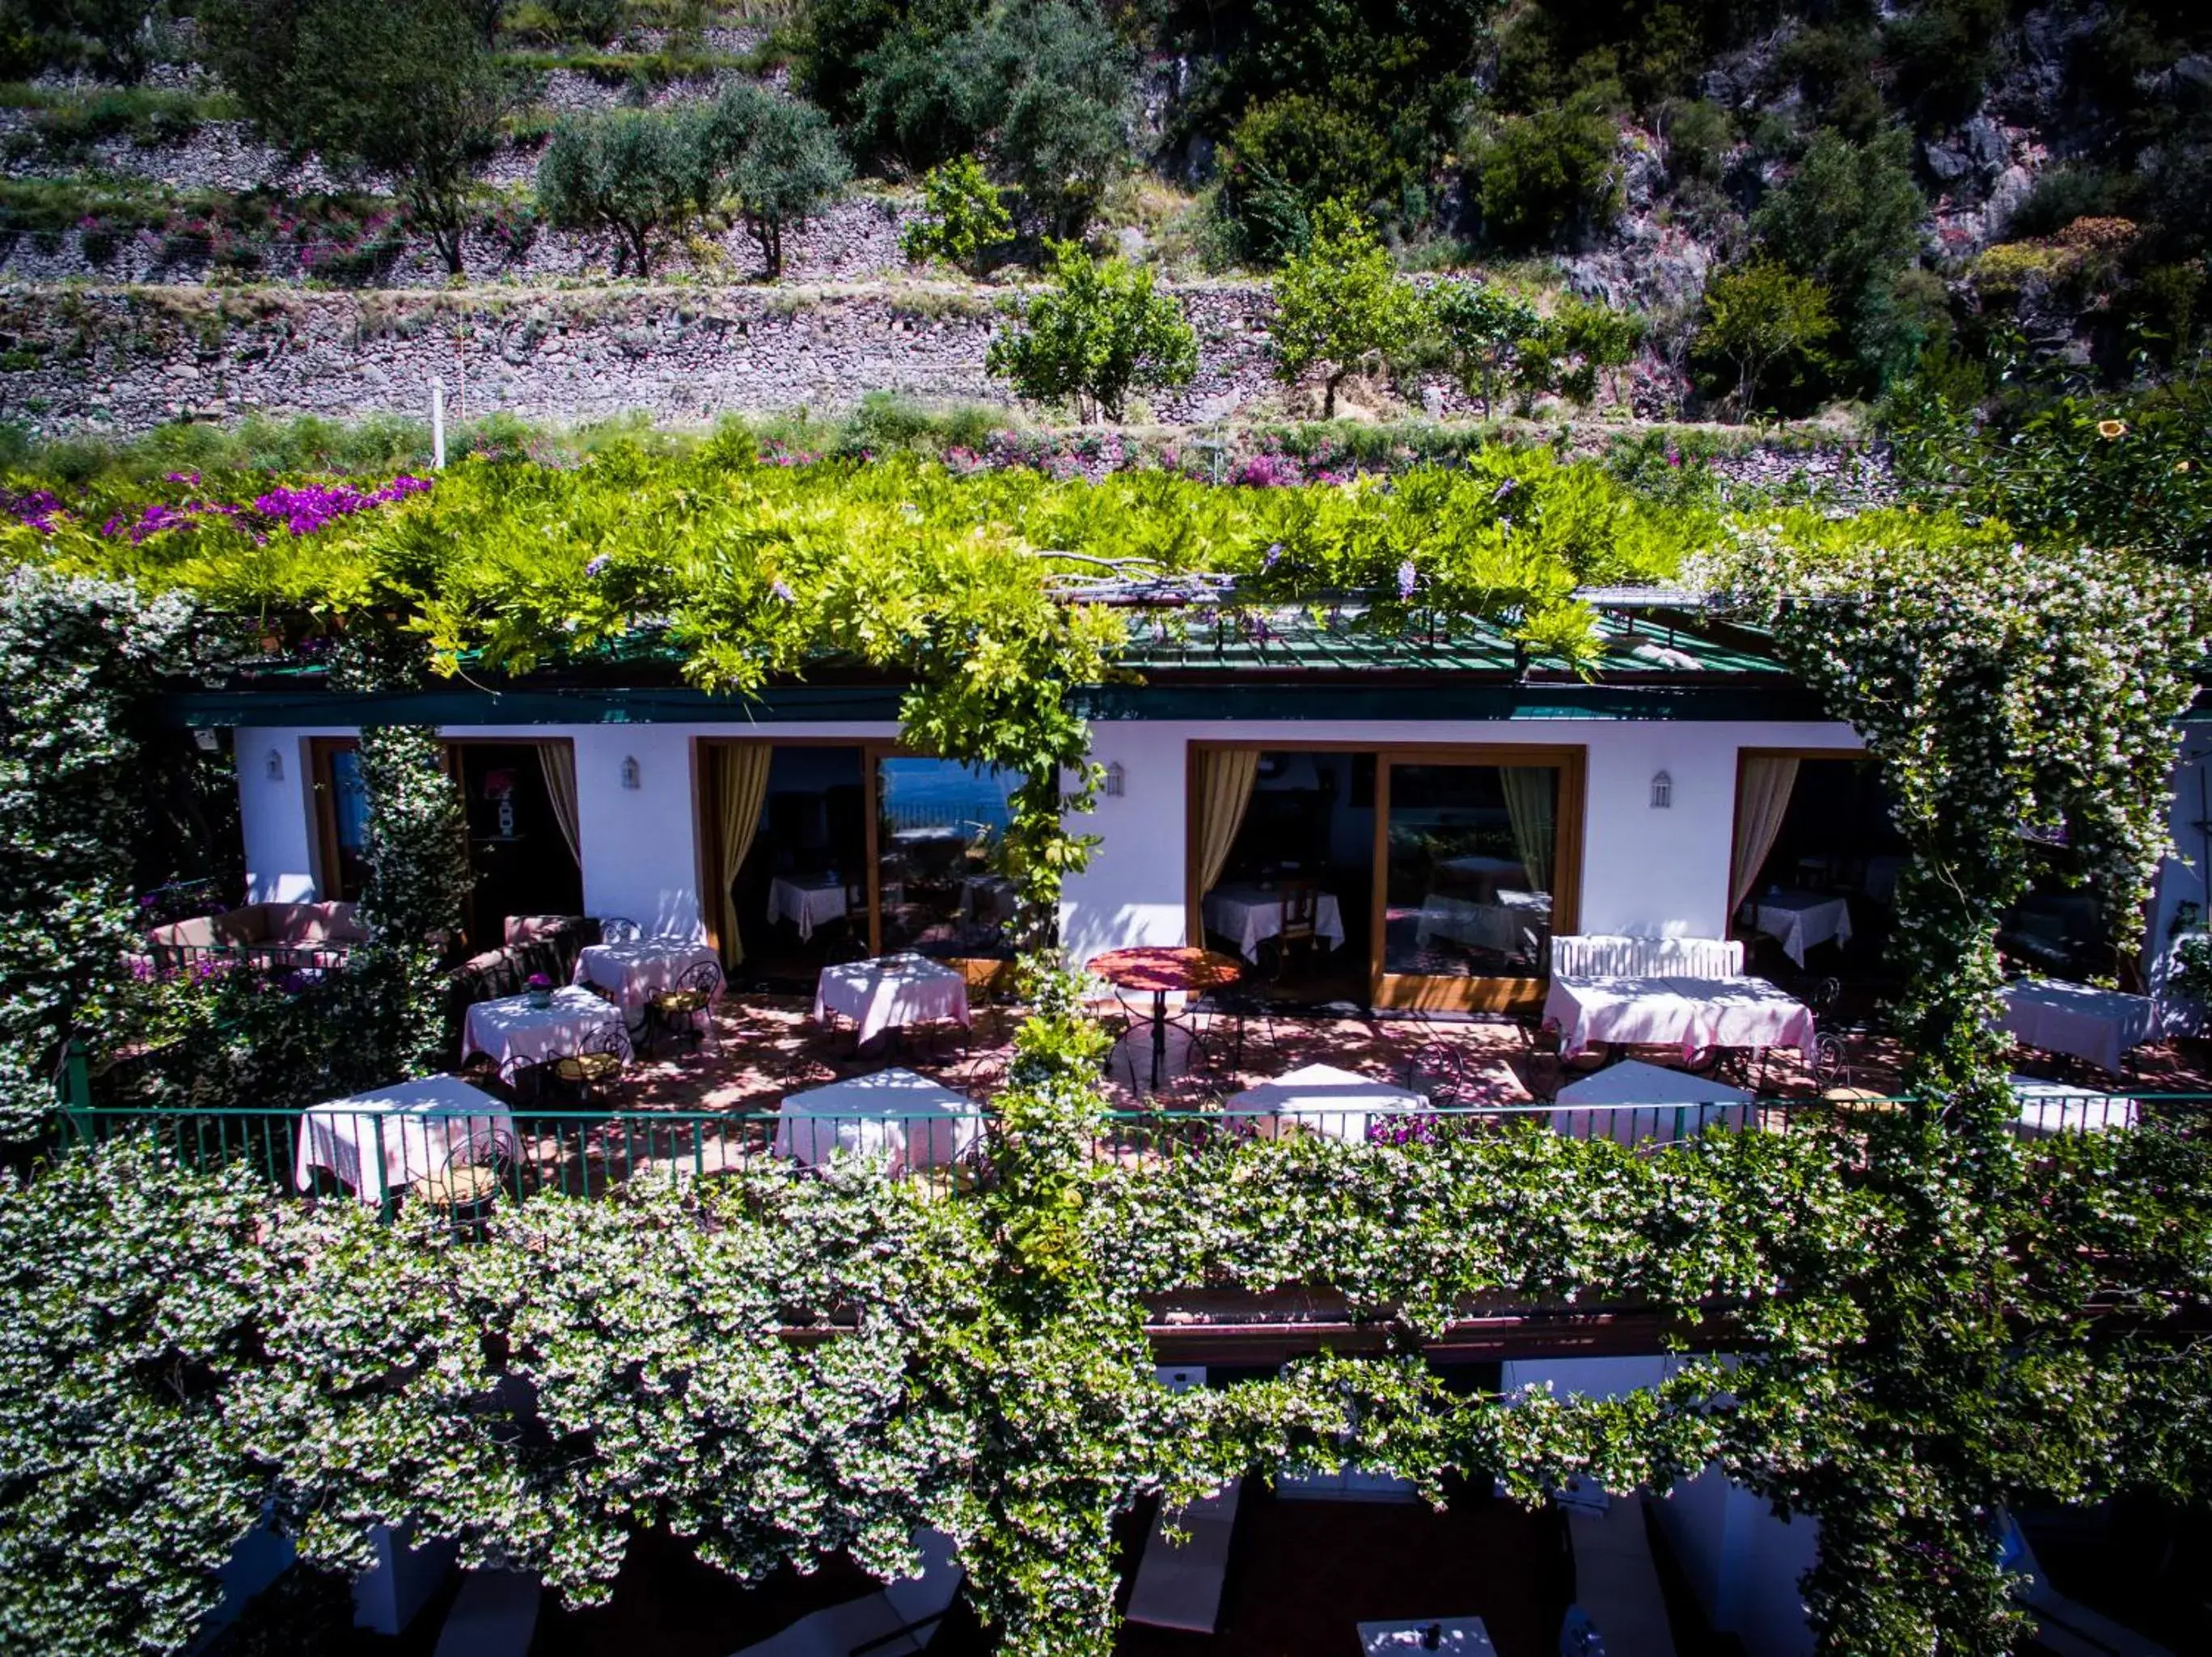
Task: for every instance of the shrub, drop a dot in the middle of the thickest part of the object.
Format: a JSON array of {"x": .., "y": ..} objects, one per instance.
[
  {"x": 1099, "y": 332},
  {"x": 2060, "y": 196},
  {"x": 1287, "y": 156},
  {"x": 963, "y": 218},
  {"x": 1480, "y": 329},
  {"x": 1698, "y": 135},
  {"x": 1545, "y": 178}
]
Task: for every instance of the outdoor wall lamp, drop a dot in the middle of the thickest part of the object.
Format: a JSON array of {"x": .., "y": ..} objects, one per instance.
[
  {"x": 1117, "y": 779},
  {"x": 1663, "y": 791},
  {"x": 629, "y": 771},
  {"x": 275, "y": 766}
]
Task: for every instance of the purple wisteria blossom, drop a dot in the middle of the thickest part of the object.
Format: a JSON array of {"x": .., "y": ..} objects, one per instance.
[
  {"x": 597, "y": 568},
  {"x": 1505, "y": 489},
  {"x": 1408, "y": 578},
  {"x": 309, "y": 507},
  {"x": 780, "y": 590}
]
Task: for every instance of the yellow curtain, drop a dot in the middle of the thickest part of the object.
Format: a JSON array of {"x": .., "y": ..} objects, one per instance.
[
  {"x": 740, "y": 779},
  {"x": 1530, "y": 792},
  {"x": 1761, "y": 803},
  {"x": 1224, "y": 789},
  {"x": 557, "y": 760}
]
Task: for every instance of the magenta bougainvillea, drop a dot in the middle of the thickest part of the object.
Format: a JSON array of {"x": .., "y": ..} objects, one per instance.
[{"x": 299, "y": 509}]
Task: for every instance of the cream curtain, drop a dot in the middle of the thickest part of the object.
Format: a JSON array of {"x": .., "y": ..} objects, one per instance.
[
  {"x": 558, "y": 761},
  {"x": 1531, "y": 795},
  {"x": 1762, "y": 801},
  {"x": 740, "y": 783},
  {"x": 1224, "y": 789}
]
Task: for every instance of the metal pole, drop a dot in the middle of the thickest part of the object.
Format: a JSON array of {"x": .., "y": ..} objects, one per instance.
[{"x": 437, "y": 422}]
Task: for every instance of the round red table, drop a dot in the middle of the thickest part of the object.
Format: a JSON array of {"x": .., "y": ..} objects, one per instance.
[{"x": 1160, "y": 969}]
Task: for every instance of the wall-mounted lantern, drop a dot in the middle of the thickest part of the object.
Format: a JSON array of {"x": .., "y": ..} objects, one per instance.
[
  {"x": 275, "y": 766},
  {"x": 1663, "y": 791},
  {"x": 629, "y": 778},
  {"x": 1117, "y": 779}
]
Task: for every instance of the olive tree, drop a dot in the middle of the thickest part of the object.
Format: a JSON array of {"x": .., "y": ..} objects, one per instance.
[
  {"x": 776, "y": 159},
  {"x": 640, "y": 174}
]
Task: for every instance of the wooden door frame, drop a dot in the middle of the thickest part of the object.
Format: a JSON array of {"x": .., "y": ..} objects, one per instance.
[
  {"x": 1728, "y": 927},
  {"x": 449, "y": 748},
  {"x": 1413, "y": 990},
  {"x": 322, "y": 814},
  {"x": 706, "y": 838}
]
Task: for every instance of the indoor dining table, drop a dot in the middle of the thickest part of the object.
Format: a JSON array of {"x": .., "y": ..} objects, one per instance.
[
  {"x": 1251, "y": 912},
  {"x": 1802, "y": 921}
]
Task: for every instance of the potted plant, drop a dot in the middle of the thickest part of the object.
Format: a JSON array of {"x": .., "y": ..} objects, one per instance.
[{"x": 539, "y": 988}]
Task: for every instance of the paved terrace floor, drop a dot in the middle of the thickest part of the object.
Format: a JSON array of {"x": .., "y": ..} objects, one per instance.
[{"x": 767, "y": 1047}]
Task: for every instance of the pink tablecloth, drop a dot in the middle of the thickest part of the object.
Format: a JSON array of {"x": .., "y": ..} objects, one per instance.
[
  {"x": 1690, "y": 1013},
  {"x": 639, "y": 970},
  {"x": 417, "y": 1126},
  {"x": 896, "y": 990},
  {"x": 517, "y": 1034}
]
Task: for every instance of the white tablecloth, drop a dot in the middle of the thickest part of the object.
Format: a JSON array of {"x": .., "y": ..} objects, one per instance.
[
  {"x": 806, "y": 904},
  {"x": 2047, "y": 1107},
  {"x": 1689, "y": 1013},
  {"x": 1633, "y": 1101},
  {"x": 2102, "y": 1026},
  {"x": 518, "y": 1034},
  {"x": 417, "y": 1127},
  {"x": 894, "y": 1113},
  {"x": 1251, "y": 916},
  {"x": 890, "y": 991},
  {"x": 1324, "y": 1099},
  {"x": 639, "y": 970},
  {"x": 1516, "y": 923},
  {"x": 1455, "y": 1637},
  {"x": 1481, "y": 876},
  {"x": 1799, "y": 920}
]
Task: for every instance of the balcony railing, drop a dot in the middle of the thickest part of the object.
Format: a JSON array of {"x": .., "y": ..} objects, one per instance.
[{"x": 465, "y": 1160}]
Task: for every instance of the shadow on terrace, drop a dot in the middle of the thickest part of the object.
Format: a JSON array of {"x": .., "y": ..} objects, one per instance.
[{"x": 577, "y": 1088}]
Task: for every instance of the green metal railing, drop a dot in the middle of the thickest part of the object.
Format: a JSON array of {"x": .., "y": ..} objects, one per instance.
[{"x": 463, "y": 1158}]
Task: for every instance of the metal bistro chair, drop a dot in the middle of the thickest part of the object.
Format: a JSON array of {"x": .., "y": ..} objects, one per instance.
[
  {"x": 677, "y": 1013},
  {"x": 477, "y": 1167},
  {"x": 619, "y": 928},
  {"x": 594, "y": 1071}
]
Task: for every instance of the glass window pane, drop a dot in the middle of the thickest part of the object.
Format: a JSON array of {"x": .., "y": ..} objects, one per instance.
[
  {"x": 940, "y": 841},
  {"x": 1471, "y": 853},
  {"x": 348, "y": 819}
]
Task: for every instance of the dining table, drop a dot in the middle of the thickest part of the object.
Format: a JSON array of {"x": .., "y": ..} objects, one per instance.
[
  {"x": 1692, "y": 1014},
  {"x": 1338, "y": 1104},
  {"x": 2044, "y": 1109},
  {"x": 806, "y": 902},
  {"x": 1160, "y": 970},
  {"x": 1508, "y": 922},
  {"x": 1249, "y": 912},
  {"x": 516, "y": 1033},
  {"x": 889, "y": 993},
  {"x": 1632, "y": 1102},
  {"x": 898, "y": 1114},
  {"x": 1800, "y": 920},
  {"x": 1455, "y": 1637},
  {"x": 2078, "y": 1020},
  {"x": 635, "y": 971},
  {"x": 378, "y": 1143}
]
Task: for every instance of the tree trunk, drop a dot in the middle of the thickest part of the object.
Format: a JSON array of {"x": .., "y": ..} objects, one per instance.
[{"x": 1329, "y": 394}]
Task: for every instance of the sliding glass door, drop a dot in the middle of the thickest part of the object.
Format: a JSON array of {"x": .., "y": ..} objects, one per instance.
[{"x": 1428, "y": 877}]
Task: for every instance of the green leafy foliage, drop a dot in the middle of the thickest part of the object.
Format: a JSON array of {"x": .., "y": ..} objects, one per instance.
[
  {"x": 1758, "y": 316},
  {"x": 640, "y": 174},
  {"x": 1546, "y": 177},
  {"x": 1480, "y": 328},
  {"x": 1289, "y": 155},
  {"x": 1340, "y": 306},
  {"x": 1099, "y": 332},
  {"x": 82, "y": 653},
  {"x": 963, "y": 218},
  {"x": 409, "y": 89}
]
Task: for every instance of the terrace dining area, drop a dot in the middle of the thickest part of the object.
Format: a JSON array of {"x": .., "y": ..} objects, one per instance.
[{"x": 646, "y": 1058}]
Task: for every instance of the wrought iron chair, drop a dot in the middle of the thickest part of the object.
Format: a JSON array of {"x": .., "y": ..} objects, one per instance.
[
  {"x": 594, "y": 1071},
  {"x": 478, "y": 1166},
  {"x": 683, "y": 1013},
  {"x": 619, "y": 928}
]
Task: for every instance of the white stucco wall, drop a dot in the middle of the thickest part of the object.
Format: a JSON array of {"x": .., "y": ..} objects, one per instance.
[
  {"x": 1644, "y": 870},
  {"x": 640, "y": 847}
]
